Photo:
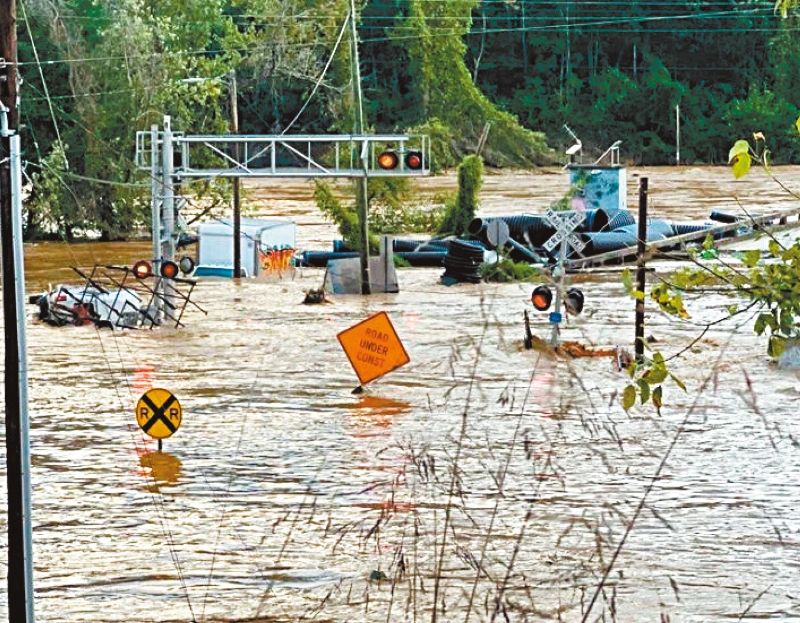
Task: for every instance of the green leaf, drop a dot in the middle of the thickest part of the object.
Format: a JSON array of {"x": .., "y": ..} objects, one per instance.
[
  {"x": 677, "y": 381},
  {"x": 797, "y": 124},
  {"x": 655, "y": 376},
  {"x": 741, "y": 165},
  {"x": 644, "y": 390},
  {"x": 775, "y": 346},
  {"x": 627, "y": 279},
  {"x": 739, "y": 147},
  {"x": 751, "y": 258},
  {"x": 774, "y": 248},
  {"x": 628, "y": 397},
  {"x": 657, "y": 399}
]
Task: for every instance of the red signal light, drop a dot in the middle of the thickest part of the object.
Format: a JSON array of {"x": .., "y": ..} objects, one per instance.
[
  {"x": 414, "y": 160},
  {"x": 388, "y": 160},
  {"x": 142, "y": 269},
  {"x": 169, "y": 269},
  {"x": 541, "y": 298}
]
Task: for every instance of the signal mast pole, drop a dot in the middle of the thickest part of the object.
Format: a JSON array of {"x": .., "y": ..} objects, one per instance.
[
  {"x": 20, "y": 565},
  {"x": 363, "y": 199}
]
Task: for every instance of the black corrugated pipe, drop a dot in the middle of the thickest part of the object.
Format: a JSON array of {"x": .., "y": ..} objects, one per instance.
[
  {"x": 319, "y": 259},
  {"x": 604, "y": 241},
  {"x": 603, "y": 219},
  {"x": 463, "y": 261},
  {"x": 721, "y": 217},
  {"x": 689, "y": 228},
  {"x": 527, "y": 229},
  {"x": 402, "y": 245}
]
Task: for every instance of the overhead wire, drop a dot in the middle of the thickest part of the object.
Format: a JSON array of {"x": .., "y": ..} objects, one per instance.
[
  {"x": 559, "y": 26},
  {"x": 156, "y": 498}
]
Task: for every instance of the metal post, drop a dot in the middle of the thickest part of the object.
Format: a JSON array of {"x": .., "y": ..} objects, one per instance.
[
  {"x": 20, "y": 568},
  {"x": 363, "y": 198},
  {"x": 640, "y": 270},
  {"x": 25, "y": 454},
  {"x": 555, "y": 315},
  {"x": 155, "y": 203},
  {"x": 167, "y": 195},
  {"x": 677, "y": 134},
  {"x": 237, "y": 215}
]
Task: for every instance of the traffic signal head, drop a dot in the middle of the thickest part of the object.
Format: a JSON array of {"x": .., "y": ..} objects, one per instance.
[
  {"x": 414, "y": 160},
  {"x": 573, "y": 301},
  {"x": 541, "y": 298},
  {"x": 388, "y": 160}
]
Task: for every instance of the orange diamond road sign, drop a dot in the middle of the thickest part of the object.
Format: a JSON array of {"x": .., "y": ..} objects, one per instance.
[
  {"x": 158, "y": 413},
  {"x": 373, "y": 348}
]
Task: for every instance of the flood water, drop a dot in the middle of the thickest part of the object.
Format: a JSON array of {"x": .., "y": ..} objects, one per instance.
[{"x": 479, "y": 474}]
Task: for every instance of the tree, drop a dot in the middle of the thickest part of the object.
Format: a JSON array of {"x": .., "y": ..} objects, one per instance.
[
  {"x": 460, "y": 213},
  {"x": 432, "y": 34}
]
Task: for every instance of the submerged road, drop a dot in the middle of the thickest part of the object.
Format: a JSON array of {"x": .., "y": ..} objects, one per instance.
[{"x": 497, "y": 478}]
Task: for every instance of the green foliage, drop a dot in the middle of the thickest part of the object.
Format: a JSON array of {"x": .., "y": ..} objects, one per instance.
[
  {"x": 410, "y": 219},
  {"x": 772, "y": 283},
  {"x": 771, "y": 117},
  {"x": 391, "y": 211},
  {"x": 784, "y": 6},
  {"x": 431, "y": 34},
  {"x": 424, "y": 68},
  {"x": 506, "y": 271},
  {"x": 443, "y": 143},
  {"x": 45, "y": 215},
  {"x": 460, "y": 213},
  {"x": 345, "y": 217},
  {"x": 647, "y": 381}
]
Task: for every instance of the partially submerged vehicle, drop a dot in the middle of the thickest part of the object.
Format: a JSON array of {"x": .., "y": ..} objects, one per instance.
[
  {"x": 118, "y": 297},
  {"x": 82, "y": 305}
]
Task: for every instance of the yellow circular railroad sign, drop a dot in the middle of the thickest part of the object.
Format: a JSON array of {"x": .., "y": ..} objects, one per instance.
[{"x": 158, "y": 413}]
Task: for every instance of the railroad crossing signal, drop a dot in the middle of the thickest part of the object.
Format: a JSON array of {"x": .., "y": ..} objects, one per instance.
[
  {"x": 389, "y": 160},
  {"x": 564, "y": 223},
  {"x": 158, "y": 413}
]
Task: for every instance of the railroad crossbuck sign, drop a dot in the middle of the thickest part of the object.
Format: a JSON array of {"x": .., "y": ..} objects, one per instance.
[
  {"x": 373, "y": 347},
  {"x": 158, "y": 413},
  {"x": 564, "y": 224}
]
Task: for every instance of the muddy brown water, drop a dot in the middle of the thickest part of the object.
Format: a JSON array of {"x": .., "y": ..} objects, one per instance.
[{"x": 283, "y": 495}]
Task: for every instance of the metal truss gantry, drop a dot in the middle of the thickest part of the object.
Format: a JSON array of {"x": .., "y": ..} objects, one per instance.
[
  {"x": 172, "y": 156},
  {"x": 303, "y": 155}
]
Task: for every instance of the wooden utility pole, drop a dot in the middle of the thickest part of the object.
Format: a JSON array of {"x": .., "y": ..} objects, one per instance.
[
  {"x": 237, "y": 214},
  {"x": 20, "y": 606},
  {"x": 641, "y": 249}
]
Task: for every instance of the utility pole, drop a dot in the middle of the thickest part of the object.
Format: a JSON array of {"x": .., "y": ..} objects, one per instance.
[
  {"x": 20, "y": 567},
  {"x": 641, "y": 249},
  {"x": 237, "y": 214},
  {"x": 363, "y": 199}
]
